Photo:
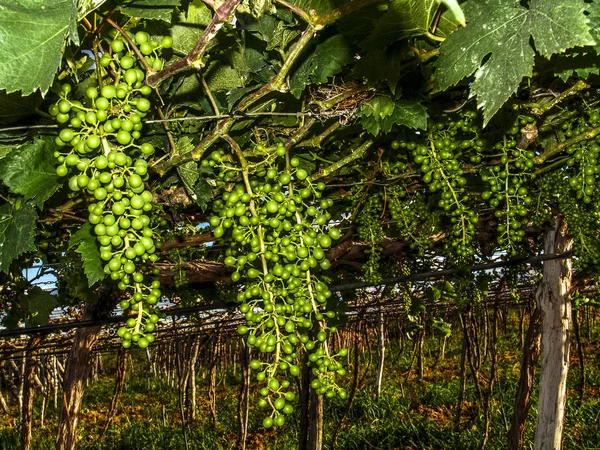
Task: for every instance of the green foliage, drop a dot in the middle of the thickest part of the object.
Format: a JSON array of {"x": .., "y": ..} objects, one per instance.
[
  {"x": 502, "y": 29},
  {"x": 14, "y": 107},
  {"x": 189, "y": 25},
  {"x": 17, "y": 232},
  {"x": 327, "y": 59},
  {"x": 150, "y": 9},
  {"x": 39, "y": 181},
  {"x": 34, "y": 34},
  {"x": 84, "y": 242},
  {"x": 410, "y": 18},
  {"x": 380, "y": 114},
  {"x": 39, "y": 305},
  {"x": 321, "y": 112}
]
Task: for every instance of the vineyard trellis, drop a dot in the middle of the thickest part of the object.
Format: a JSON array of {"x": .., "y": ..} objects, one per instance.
[{"x": 321, "y": 166}]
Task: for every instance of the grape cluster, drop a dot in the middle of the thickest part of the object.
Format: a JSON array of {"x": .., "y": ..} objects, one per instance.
[
  {"x": 583, "y": 156},
  {"x": 507, "y": 190},
  {"x": 101, "y": 152},
  {"x": 277, "y": 229},
  {"x": 411, "y": 216},
  {"x": 437, "y": 157},
  {"x": 370, "y": 231}
]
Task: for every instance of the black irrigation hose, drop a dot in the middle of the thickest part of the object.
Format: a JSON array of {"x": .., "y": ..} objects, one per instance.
[{"x": 334, "y": 288}]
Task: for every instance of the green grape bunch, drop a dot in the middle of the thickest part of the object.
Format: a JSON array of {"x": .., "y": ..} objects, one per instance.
[
  {"x": 275, "y": 224},
  {"x": 507, "y": 188},
  {"x": 437, "y": 156},
  {"x": 370, "y": 230},
  {"x": 103, "y": 156}
]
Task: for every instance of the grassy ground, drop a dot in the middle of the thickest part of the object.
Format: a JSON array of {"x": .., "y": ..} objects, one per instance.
[{"x": 409, "y": 414}]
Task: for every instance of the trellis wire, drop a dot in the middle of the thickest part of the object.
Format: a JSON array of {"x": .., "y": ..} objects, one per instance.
[{"x": 335, "y": 288}]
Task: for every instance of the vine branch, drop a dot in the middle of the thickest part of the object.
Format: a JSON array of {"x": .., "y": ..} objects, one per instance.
[
  {"x": 194, "y": 58},
  {"x": 356, "y": 153},
  {"x": 589, "y": 134}
]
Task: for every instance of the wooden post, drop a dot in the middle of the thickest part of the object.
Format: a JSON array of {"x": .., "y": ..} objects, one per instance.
[
  {"x": 78, "y": 369},
  {"x": 28, "y": 390},
  {"x": 555, "y": 307},
  {"x": 380, "y": 352},
  {"x": 531, "y": 353}
]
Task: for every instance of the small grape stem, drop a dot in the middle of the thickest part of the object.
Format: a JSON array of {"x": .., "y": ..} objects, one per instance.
[
  {"x": 507, "y": 200},
  {"x": 454, "y": 196},
  {"x": 318, "y": 140},
  {"x": 299, "y": 12},
  {"x": 140, "y": 315},
  {"x": 299, "y": 134},
  {"x": 106, "y": 146},
  {"x": 326, "y": 104}
]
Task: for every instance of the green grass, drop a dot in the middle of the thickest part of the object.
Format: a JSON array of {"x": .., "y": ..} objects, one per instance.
[{"x": 409, "y": 414}]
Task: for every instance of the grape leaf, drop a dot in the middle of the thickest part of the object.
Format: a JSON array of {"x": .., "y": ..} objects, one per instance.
[
  {"x": 327, "y": 59},
  {"x": 409, "y": 18},
  {"x": 29, "y": 170},
  {"x": 14, "y": 106},
  {"x": 557, "y": 25},
  {"x": 257, "y": 8},
  {"x": 203, "y": 193},
  {"x": 39, "y": 305},
  {"x": 583, "y": 64},
  {"x": 188, "y": 27},
  {"x": 369, "y": 67},
  {"x": 263, "y": 27},
  {"x": 150, "y": 9},
  {"x": 5, "y": 149},
  {"x": 593, "y": 17},
  {"x": 86, "y": 6},
  {"x": 32, "y": 38},
  {"x": 188, "y": 172},
  {"x": 320, "y": 7},
  {"x": 17, "y": 232},
  {"x": 501, "y": 29},
  {"x": 222, "y": 77},
  {"x": 382, "y": 113},
  {"x": 87, "y": 247}
]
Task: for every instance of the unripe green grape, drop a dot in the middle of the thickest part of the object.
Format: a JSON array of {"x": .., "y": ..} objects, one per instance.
[
  {"x": 109, "y": 91},
  {"x": 143, "y": 104},
  {"x": 105, "y": 60},
  {"x": 167, "y": 42},
  {"x": 127, "y": 62},
  {"x": 141, "y": 37},
  {"x": 157, "y": 64},
  {"x": 123, "y": 137},
  {"x": 130, "y": 76},
  {"x": 62, "y": 171},
  {"x": 117, "y": 46},
  {"x": 146, "y": 48},
  {"x": 62, "y": 117},
  {"x": 267, "y": 422}
]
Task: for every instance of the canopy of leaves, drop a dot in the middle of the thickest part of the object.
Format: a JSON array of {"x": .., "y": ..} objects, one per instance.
[
  {"x": 39, "y": 181},
  {"x": 370, "y": 102},
  {"x": 150, "y": 9},
  {"x": 17, "y": 232},
  {"x": 32, "y": 40},
  {"x": 501, "y": 30},
  {"x": 84, "y": 243}
]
